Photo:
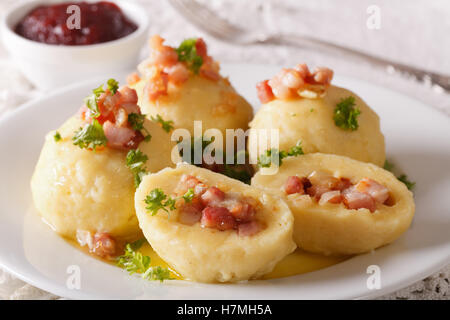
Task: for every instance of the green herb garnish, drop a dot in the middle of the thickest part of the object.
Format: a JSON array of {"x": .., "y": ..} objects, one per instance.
[
  {"x": 238, "y": 172},
  {"x": 91, "y": 100},
  {"x": 189, "y": 195},
  {"x": 265, "y": 159},
  {"x": 187, "y": 52},
  {"x": 136, "y": 162},
  {"x": 135, "y": 262},
  {"x": 403, "y": 177},
  {"x": 345, "y": 114},
  {"x": 409, "y": 184},
  {"x": 157, "y": 200},
  {"x": 57, "y": 136},
  {"x": 113, "y": 85},
  {"x": 136, "y": 122},
  {"x": 389, "y": 166},
  {"x": 90, "y": 136},
  {"x": 166, "y": 125}
]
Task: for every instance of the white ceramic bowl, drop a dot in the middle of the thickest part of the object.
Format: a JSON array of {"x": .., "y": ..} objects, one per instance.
[{"x": 49, "y": 66}]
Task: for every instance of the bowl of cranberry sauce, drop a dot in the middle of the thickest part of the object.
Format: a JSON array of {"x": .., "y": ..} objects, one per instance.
[
  {"x": 56, "y": 44},
  {"x": 98, "y": 22}
]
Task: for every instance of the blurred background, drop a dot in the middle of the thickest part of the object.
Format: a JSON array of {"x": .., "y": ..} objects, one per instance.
[{"x": 414, "y": 32}]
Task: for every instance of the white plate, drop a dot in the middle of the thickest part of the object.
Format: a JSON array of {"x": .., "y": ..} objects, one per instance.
[{"x": 418, "y": 141}]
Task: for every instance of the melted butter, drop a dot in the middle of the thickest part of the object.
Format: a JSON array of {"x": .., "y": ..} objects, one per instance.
[
  {"x": 156, "y": 260},
  {"x": 299, "y": 262},
  {"x": 296, "y": 263}
]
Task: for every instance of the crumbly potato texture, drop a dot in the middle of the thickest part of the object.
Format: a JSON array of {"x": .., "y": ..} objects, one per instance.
[{"x": 78, "y": 189}]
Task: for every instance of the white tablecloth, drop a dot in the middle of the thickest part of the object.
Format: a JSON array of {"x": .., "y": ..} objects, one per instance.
[{"x": 411, "y": 32}]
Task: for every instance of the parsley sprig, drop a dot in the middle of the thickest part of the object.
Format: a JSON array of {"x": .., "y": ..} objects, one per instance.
[
  {"x": 166, "y": 125},
  {"x": 345, "y": 114},
  {"x": 91, "y": 100},
  {"x": 403, "y": 177},
  {"x": 265, "y": 159},
  {"x": 136, "y": 122},
  {"x": 187, "y": 52},
  {"x": 189, "y": 195},
  {"x": 157, "y": 200},
  {"x": 57, "y": 136},
  {"x": 90, "y": 136},
  {"x": 136, "y": 160},
  {"x": 135, "y": 262}
]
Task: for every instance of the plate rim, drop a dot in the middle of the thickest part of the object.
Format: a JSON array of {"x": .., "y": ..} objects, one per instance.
[{"x": 47, "y": 285}]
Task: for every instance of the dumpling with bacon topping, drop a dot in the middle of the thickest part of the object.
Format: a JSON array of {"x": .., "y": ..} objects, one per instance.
[
  {"x": 305, "y": 107},
  {"x": 211, "y": 228},
  {"x": 184, "y": 84},
  {"x": 88, "y": 170},
  {"x": 341, "y": 206}
]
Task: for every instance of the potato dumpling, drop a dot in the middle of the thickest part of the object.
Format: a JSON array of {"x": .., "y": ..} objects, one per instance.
[
  {"x": 206, "y": 254},
  {"x": 311, "y": 121},
  {"x": 79, "y": 189},
  {"x": 332, "y": 228},
  {"x": 183, "y": 84},
  {"x": 215, "y": 103}
]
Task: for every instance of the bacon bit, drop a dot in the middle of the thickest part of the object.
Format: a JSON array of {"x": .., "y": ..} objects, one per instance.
[
  {"x": 354, "y": 199},
  {"x": 316, "y": 191},
  {"x": 343, "y": 184},
  {"x": 187, "y": 182},
  {"x": 220, "y": 210},
  {"x": 200, "y": 189},
  {"x": 249, "y": 228},
  {"x": 121, "y": 117},
  {"x": 323, "y": 179},
  {"x": 303, "y": 70},
  {"x": 163, "y": 67},
  {"x": 217, "y": 217},
  {"x": 292, "y": 79},
  {"x": 157, "y": 86},
  {"x": 178, "y": 73},
  {"x": 135, "y": 141},
  {"x": 331, "y": 197},
  {"x": 200, "y": 47},
  {"x": 264, "y": 91},
  {"x": 133, "y": 78},
  {"x": 377, "y": 191},
  {"x": 296, "y": 82},
  {"x": 242, "y": 211},
  {"x": 279, "y": 90},
  {"x": 100, "y": 244},
  {"x": 212, "y": 196},
  {"x": 209, "y": 73},
  {"x": 210, "y": 68},
  {"x": 128, "y": 95},
  {"x": 323, "y": 75},
  {"x": 104, "y": 245},
  {"x": 325, "y": 188},
  {"x": 390, "y": 201},
  {"x": 114, "y": 110},
  {"x": 162, "y": 55},
  {"x": 190, "y": 213},
  {"x": 118, "y": 137},
  {"x": 294, "y": 185}
]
